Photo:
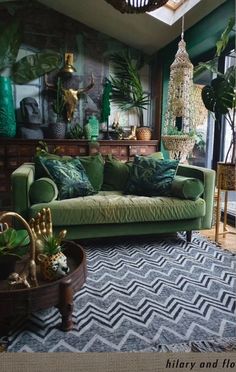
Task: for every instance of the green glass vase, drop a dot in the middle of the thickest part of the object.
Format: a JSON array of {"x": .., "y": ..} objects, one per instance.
[{"x": 7, "y": 110}]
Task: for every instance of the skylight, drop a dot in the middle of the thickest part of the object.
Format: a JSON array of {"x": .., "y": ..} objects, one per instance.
[{"x": 173, "y": 10}]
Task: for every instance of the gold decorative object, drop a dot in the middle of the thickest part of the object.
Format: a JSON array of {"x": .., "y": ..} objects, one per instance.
[
  {"x": 41, "y": 227},
  {"x": 70, "y": 96},
  {"x": 180, "y": 91},
  {"x": 132, "y": 135},
  {"x": 137, "y": 6},
  {"x": 68, "y": 68},
  {"x": 28, "y": 275},
  {"x": 52, "y": 262},
  {"x": 143, "y": 133}
]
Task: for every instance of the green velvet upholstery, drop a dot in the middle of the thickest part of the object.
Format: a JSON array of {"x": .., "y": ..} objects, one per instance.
[
  {"x": 180, "y": 212},
  {"x": 94, "y": 168},
  {"x": 186, "y": 188},
  {"x": 150, "y": 176},
  {"x": 116, "y": 174},
  {"x": 43, "y": 190},
  {"x": 115, "y": 207}
]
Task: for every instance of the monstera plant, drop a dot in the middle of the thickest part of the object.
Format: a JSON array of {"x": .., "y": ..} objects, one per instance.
[{"x": 219, "y": 97}]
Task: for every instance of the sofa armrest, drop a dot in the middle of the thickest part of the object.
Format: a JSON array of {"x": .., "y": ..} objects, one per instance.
[
  {"x": 21, "y": 180},
  {"x": 207, "y": 176}
]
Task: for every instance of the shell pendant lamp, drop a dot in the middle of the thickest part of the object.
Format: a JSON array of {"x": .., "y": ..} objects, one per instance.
[
  {"x": 136, "y": 6},
  {"x": 179, "y": 113}
]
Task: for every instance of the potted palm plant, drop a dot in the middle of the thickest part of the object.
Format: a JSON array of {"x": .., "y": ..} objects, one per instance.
[
  {"x": 127, "y": 90},
  {"x": 18, "y": 71},
  {"x": 58, "y": 125}
]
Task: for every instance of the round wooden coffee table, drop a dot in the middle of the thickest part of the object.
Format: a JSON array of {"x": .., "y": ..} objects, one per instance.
[{"x": 57, "y": 293}]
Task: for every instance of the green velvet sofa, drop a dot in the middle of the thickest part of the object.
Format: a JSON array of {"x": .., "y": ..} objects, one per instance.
[{"x": 111, "y": 213}]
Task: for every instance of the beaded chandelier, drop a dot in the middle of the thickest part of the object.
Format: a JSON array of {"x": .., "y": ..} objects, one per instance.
[
  {"x": 180, "y": 91},
  {"x": 136, "y": 6}
]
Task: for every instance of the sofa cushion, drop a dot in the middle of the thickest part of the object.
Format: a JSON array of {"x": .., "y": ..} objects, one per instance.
[
  {"x": 93, "y": 165},
  {"x": 43, "y": 190},
  {"x": 187, "y": 187},
  {"x": 116, "y": 174},
  {"x": 115, "y": 207},
  {"x": 150, "y": 176},
  {"x": 69, "y": 176},
  {"x": 40, "y": 170},
  {"x": 94, "y": 168}
]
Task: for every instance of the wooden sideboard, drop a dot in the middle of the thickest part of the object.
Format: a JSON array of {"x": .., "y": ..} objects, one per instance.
[{"x": 14, "y": 152}]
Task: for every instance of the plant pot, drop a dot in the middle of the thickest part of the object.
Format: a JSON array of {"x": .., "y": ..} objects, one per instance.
[
  {"x": 143, "y": 133},
  {"x": 7, "y": 112},
  {"x": 7, "y": 266},
  {"x": 179, "y": 147},
  {"x": 226, "y": 176},
  {"x": 57, "y": 130}
]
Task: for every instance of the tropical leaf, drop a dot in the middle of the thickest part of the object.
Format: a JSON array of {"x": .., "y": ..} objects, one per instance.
[
  {"x": 224, "y": 39},
  {"x": 127, "y": 91},
  {"x": 35, "y": 65},
  {"x": 14, "y": 242},
  {"x": 211, "y": 65},
  {"x": 218, "y": 97}
]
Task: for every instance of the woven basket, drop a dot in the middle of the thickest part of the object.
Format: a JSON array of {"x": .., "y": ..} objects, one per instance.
[
  {"x": 179, "y": 147},
  {"x": 143, "y": 133}
]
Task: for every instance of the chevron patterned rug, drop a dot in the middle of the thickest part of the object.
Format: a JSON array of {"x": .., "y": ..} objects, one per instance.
[{"x": 153, "y": 295}]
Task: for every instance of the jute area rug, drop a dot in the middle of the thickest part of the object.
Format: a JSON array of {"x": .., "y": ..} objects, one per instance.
[{"x": 143, "y": 295}]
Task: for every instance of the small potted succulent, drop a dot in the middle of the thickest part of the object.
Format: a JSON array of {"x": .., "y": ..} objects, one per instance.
[
  {"x": 13, "y": 245},
  {"x": 52, "y": 261}
]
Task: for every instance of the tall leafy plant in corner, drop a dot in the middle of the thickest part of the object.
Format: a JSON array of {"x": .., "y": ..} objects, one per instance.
[
  {"x": 127, "y": 90},
  {"x": 219, "y": 97}
]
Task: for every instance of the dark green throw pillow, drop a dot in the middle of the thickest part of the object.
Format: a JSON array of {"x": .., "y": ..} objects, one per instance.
[
  {"x": 187, "y": 187},
  {"x": 116, "y": 174},
  {"x": 70, "y": 177},
  {"x": 94, "y": 168},
  {"x": 150, "y": 176},
  {"x": 40, "y": 171},
  {"x": 43, "y": 190}
]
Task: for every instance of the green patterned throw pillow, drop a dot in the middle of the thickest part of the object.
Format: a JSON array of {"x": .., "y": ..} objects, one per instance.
[
  {"x": 151, "y": 177},
  {"x": 70, "y": 177}
]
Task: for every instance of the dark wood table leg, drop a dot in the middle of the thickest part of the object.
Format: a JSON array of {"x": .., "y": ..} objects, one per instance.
[{"x": 66, "y": 305}]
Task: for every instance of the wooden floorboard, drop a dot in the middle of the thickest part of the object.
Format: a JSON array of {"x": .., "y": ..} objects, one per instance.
[{"x": 229, "y": 242}]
